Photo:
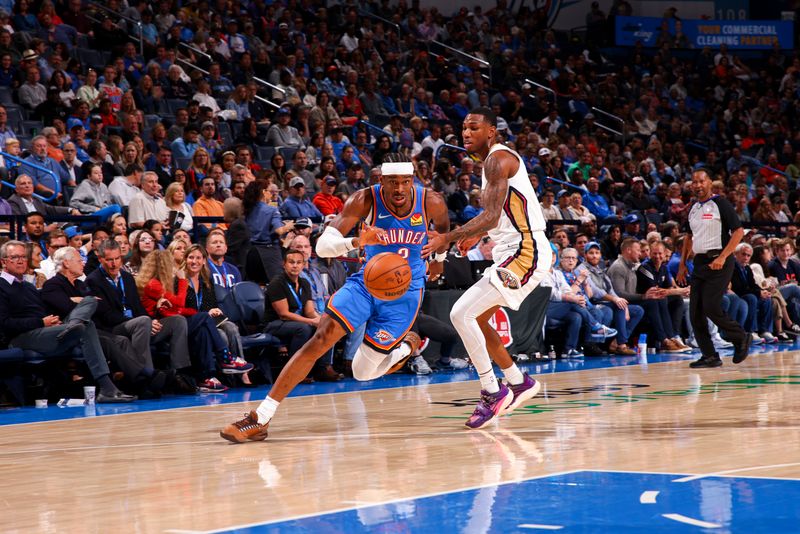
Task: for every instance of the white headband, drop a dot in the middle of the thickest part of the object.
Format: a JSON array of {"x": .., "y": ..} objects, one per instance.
[{"x": 403, "y": 169}]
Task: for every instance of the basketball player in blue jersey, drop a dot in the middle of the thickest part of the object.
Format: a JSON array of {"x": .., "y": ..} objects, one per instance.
[
  {"x": 397, "y": 216},
  {"x": 513, "y": 219}
]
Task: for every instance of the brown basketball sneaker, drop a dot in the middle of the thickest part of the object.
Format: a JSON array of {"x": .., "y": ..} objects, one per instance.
[
  {"x": 245, "y": 429},
  {"x": 414, "y": 341}
]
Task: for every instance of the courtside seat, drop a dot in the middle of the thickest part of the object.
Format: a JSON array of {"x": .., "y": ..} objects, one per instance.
[{"x": 29, "y": 356}]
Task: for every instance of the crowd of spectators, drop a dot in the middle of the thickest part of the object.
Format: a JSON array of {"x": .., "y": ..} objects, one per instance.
[{"x": 261, "y": 119}]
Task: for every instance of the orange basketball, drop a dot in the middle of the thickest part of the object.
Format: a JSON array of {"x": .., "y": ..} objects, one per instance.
[{"x": 387, "y": 276}]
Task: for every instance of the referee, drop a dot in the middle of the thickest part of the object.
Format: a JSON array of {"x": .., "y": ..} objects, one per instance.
[{"x": 714, "y": 232}]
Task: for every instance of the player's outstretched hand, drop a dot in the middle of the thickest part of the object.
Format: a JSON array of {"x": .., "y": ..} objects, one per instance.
[
  {"x": 437, "y": 243},
  {"x": 435, "y": 270},
  {"x": 466, "y": 244},
  {"x": 371, "y": 235}
]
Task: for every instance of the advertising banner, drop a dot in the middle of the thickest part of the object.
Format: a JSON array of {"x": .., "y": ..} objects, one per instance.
[{"x": 736, "y": 34}]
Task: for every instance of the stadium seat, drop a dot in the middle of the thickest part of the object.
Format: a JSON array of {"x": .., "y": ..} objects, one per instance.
[
  {"x": 264, "y": 153},
  {"x": 6, "y": 96},
  {"x": 244, "y": 304}
]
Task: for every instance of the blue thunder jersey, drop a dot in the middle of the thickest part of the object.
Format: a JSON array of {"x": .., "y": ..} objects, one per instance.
[{"x": 405, "y": 236}]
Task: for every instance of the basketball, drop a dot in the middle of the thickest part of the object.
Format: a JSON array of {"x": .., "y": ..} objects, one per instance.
[{"x": 387, "y": 276}]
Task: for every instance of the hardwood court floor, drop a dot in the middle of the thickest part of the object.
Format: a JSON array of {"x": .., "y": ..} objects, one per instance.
[{"x": 169, "y": 471}]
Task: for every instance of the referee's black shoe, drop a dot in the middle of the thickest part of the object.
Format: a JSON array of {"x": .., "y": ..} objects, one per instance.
[
  {"x": 742, "y": 350},
  {"x": 706, "y": 361}
]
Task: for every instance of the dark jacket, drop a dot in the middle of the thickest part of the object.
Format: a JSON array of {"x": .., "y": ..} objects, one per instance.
[
  {"x": 110, "y": 311},
  {"x": 21, "y": 308},
  {"x": 742, "y": 281},
  {"x": 18, "y": 207},
  {"x": 57, "y": 291}
]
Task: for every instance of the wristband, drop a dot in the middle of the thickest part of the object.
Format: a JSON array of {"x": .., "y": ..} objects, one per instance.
[{"x": 440, "y": 257}]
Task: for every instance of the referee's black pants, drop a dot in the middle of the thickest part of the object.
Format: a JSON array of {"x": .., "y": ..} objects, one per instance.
[{"x": 705, "y": 302}]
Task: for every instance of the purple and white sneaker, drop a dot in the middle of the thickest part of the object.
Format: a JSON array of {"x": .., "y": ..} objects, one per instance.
[
  {"x": 490, "y": 406},
  {"x": 522, "y": 392}
]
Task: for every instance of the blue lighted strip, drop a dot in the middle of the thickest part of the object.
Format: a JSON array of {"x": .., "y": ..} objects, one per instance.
[
  {"x": 541, "y": 368},
  {"x": 582, "y": 501}
]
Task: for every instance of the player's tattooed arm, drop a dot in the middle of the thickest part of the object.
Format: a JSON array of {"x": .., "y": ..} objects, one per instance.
[{"x": 497, "y": 168}]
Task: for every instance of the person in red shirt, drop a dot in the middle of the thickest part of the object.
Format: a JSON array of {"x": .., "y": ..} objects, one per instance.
[{"x": 325, "y": 201}]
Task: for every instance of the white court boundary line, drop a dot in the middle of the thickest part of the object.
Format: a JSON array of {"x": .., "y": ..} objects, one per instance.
[
  {"x": 540, "y": 527},
  {"x": 699, "y": 476},
  {"x": 691, "y": 521},
  {"x": 729, "y": 472},
  {"x": 379, "y": 503}
]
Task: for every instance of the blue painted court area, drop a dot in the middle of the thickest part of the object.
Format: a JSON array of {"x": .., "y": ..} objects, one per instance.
[
  {"x": 583, "y": 501},
  {"x": 30, "y": 414}
]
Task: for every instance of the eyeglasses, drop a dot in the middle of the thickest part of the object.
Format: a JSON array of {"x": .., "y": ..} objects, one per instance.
[
  {"x": 146, "y": 240},
  {"x": 569, "y": 257},
  {"x": 16, "y": 258}
]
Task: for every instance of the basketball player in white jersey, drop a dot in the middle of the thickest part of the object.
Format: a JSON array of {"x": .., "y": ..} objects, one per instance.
[{"x": 522, "y": 256}]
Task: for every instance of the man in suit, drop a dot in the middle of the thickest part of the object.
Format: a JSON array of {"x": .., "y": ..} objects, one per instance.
[
  {"x": 62, "y": 293},
  {"x": 23, "y": 201},
  {"x": 759, "y": 301},
  {"x": 120, "y": 311},
  {"x": 26, "y": 324}
]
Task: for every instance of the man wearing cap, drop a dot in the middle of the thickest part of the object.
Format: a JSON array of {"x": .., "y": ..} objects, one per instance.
[
  {"x": 325, "y": 201},
  {"x": 632, "y": 226},
  {"x": 563, "y": 205},
  {"x": 77, "y": 136},
  {"x": 184, "y": 146},
  {"x": 626, "y": 315},
  {"x": 543, "y": 169},
  {"x": 207, "y": 205},
  {"x": 281, "y": 134},
  {"x": 714, "y": 233},
  {"x": 296, "y": 204}
]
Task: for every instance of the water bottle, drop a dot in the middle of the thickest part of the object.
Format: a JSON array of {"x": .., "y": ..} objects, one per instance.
[
  {"x": 551, "y": 354},
  {"x": 642, "y": 346}
]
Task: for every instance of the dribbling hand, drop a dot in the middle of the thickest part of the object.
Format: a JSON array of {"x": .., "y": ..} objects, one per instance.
[
  {"x": 466, "y": 244},
  {"x": 371, "y": 235}
]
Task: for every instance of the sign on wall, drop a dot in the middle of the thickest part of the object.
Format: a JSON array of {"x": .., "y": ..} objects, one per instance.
[{"x": 739, "y": 35}]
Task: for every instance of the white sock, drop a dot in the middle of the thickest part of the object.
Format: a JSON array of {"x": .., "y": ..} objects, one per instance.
[
  {"x": 513, "y": 375},
  {"x": 399, "y": 353},
  {"x": 266, "y": 410},
  {"x": 489, "y": 381}
]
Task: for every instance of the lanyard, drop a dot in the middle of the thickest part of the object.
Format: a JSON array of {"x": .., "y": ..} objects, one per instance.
[
  {"x": 120, "y": 286},
  {"x": 296, "y": 297},
  {"x": 197, "y": 294},
  {"x": 223, "y": 274}
]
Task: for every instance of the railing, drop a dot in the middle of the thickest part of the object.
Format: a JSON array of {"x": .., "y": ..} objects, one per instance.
[
  {"x": 547, "y": 89},
  {"x": 562, "y": 182},
  {"x": 760, "y": 165},
  {"x": 378, "y": 129},
  {"x": 268, "y": 102},
  {"x": 271, "y": 86},
  {"x": 622, "y": 131},
  {"x": 191, "y": 65},
  {"x": 484, "y": 64},
  {"x": 454, "y": 148},
  {"x": 195, "y": 50},
  {"x": 56, "y": 179},
  {"x": 385, "y": 21},
  {"x": 127, "y": 19}
]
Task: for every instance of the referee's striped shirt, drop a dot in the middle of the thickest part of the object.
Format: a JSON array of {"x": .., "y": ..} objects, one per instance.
[{"x": 711, "y": 224}]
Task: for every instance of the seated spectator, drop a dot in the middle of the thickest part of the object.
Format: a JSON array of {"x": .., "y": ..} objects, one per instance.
[
  {"x": 147, "y": 204},
  {"x": 354, "y": 181},
  {"x": 120, "y": 312},
  {"x": 180, "y": 212},
  {"x": 296, "y": 205},
  {"x": 124, "y": 188},
  {"x": 184, "y": 146},
  {"x": 326, "y": 202},
  {"x": 300, "y": 167},
  {"x": 99, "y": 235},
  {"x": 43, "y": 182},
  {"x": 266, "y": 228},
  {"x": 223, "y": 273},
  {"x": 291, "y": 314},
  {"x": 653, "y": 272},
  {"x": 33, "y": 274},
  {"x": 653, "y": 301},
  {"x": 31, "y": 93},
  {"x": 27, "y": 325},
  {"x": 759, "y": 301},
  {"x": 207, "y": 205},
  {"x": 787, "y": 272},
  {"x": 201, "y": 296},
  {"x": 626, "y": 315},
  {"x": 473, "y": 209},
  {"x": 92, "y": 196},
  {"x": 56, "y": 240},
  {"x": 23, "y": 201},
  {"x": 143, "y": 244},
  {"x": 62, "y": 293},
  {"x": 154, "y": 285},
  {"x": 482, "y": 251},
  {"x": 578, "y": 210},
  {"x": 208, "y": 139}
]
